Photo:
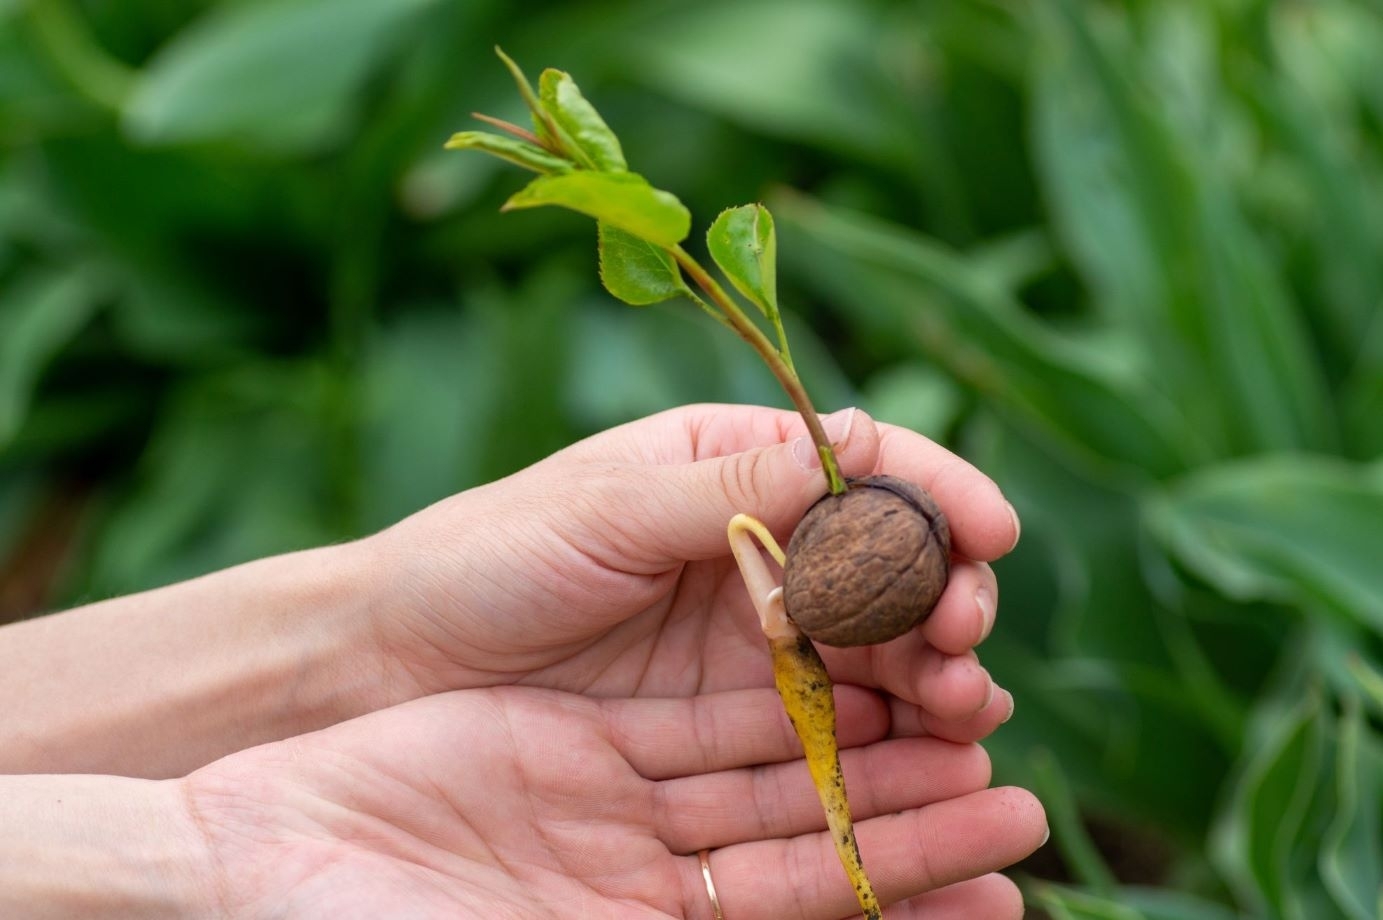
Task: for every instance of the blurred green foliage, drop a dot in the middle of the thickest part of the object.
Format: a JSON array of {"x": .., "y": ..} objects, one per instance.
[{"x": 1126, "y": 256}]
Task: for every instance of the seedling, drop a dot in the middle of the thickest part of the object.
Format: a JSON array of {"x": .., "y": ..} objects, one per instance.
[{"x": 869, "y": 561}]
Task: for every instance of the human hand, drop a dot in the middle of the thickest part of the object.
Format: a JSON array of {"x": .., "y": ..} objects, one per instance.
[
  {"x": 517, "y": 802},
  {"x": 604, "y": 569}
]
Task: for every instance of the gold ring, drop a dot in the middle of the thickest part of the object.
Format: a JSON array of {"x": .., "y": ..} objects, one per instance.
[{"x": 705, "y": 857}]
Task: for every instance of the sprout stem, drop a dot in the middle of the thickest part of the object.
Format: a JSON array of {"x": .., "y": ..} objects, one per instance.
[{"x": 777, "y": 362}]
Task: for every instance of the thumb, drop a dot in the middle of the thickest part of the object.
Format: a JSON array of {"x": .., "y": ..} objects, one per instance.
[{"x": 691, "y": 503}]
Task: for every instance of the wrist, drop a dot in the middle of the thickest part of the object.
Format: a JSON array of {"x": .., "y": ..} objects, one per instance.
[
  {"x": 101, "y": 847},
  {"x": 314, "y": 623}
]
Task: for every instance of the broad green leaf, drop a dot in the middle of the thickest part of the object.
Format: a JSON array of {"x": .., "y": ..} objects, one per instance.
[
  {"x": 743, "y": 244},
  {"x": 623, "y": 200},
  {"x": 280, "y": 74},
  {"x": 513, "y": 149},
  {"x": 1297, "y": 529},
  {"x": 1352, "y": 859},
  {"x": 897, "y": 284},
  {"x": 591, "y": 140},
  {"x": 636, "y": 271},
  {"x": 39, "y": 314}
]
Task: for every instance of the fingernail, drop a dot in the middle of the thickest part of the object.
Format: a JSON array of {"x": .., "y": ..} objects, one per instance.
[
  {"x": 1010, "y": 707},
  {"x": 984, "y": 599},
  {"x": 837, "y": 426},
  {"x": 1017, "y": 525},
  {"x": 989, "y": 696},
  {"x": 1045, "y": 837}
]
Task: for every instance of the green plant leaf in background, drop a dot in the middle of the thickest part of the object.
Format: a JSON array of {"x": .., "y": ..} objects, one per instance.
[
  {"x": 636, "y": 271},
  {"x": 623, "y": 200},
  {"x": 1282, "y": 528},
  {"x": 278, "y": 74},
  {"x": 743, "y": 244},
  {"x": 38, "y": 315},
  {"x": 582, "y": 130},
  {"x": 1071, "y": 904},
  {"x": 1265, "y": 839},
  {"x": 1351, "y": 862}
]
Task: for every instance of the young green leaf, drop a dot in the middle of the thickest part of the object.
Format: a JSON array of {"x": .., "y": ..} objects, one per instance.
[
  {"x": 578, "y": 123},
  {"x": 743, "y": 244},
  {"x": 512, "y": 149},
  {"x": 541, "y": 120},
  {"x": 624, "y": 200},
  {"x": 636, "y": 271}
]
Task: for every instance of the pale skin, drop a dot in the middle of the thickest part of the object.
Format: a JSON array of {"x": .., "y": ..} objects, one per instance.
[{"x": 601, "y": 571}]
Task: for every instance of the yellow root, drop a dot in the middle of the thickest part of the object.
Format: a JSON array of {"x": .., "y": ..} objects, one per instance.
[{"x": 805, "y": 688}]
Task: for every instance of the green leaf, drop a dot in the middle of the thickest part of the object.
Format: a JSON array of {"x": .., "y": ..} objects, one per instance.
[
  {"x": 1368, "y": 680},
  {"x": 540, "y": 117},
  {"x": 516, "y": 151},
  {"x": 636, "y": 271},
  {"x": 1264, "y": 840},
  {"x": 38, "y": 315},
  {"x": 622, "y": 200},
  {"x": 1171, "y": 904},
  {"x": 743, "y": 244},
  {"x": 1282, "y": 528},
  {"x": 281, "y": 74},
  {"x": 581, "y": 129},
  {"x": 1352, "y": 857},
  {"x": 1069, "y": 904}
]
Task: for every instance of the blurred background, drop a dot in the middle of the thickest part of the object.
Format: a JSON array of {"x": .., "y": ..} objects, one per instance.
[{"x": 1125, "y": 256}]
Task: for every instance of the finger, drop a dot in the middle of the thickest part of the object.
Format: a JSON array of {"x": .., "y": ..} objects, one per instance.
[
  {"x": 950, "y": 687},
  {"x": 989, "y": 897},
  {"x": 664, "y": 738},
  {"x": 906, "y": 854},
  {"x": 984, "y": 525},
  {"x": 780, "y": 801},
  {"x": 679, "y": 511},
  {"x": 908, "y": 720},
  {"x": 964, "y": 615}
]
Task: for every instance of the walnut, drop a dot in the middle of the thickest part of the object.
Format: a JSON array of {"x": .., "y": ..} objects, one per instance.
[{"x": 868, "y": 565}]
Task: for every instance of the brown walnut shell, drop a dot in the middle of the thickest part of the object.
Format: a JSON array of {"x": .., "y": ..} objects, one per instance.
[{"x": 868, "y": 565}]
